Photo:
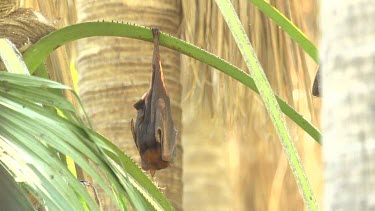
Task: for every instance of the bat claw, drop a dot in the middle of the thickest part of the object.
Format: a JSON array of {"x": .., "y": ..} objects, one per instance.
[{"x": 155, "y": 31}]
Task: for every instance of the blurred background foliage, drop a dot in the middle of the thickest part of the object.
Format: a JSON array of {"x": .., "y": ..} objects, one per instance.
[{"x": 229, "y": 156}]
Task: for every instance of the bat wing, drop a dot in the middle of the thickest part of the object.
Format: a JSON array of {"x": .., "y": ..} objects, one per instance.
[
  {"x": 164, "y": 130},
  {"x": 140, "y": 106},
  {"x": 133, "y": 132}
]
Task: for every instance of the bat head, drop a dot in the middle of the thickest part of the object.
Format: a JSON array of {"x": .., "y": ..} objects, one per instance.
[{"x": 152, "y": 159}]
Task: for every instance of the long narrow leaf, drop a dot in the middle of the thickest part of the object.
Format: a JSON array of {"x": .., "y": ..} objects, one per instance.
[
  {"x": 11, "y": 196},
  {"x": 29, "y": 81},
  {"x": 28, "y": 137},
  {"x": 294, "y": 32},
  {"x": 48, "y": 179},
  {"x": 64, "y": 138},
  {"x": 269, "y": 100},
  {"x": 125, "y": 178},
  {"x": 11, "y": 57},
  {"x": 36, "y": 95},
  {"x": 136, "y": 177},
  {"x": 38, "y": 52}
]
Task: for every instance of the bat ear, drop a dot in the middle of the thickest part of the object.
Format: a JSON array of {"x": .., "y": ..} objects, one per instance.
[{"x": 140, "y": 104}]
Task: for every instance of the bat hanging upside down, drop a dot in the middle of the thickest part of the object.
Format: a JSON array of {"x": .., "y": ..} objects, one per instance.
[{"x": 153, "y": 131}]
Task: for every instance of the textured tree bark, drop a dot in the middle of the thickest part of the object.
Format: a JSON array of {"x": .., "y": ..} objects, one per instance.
[
  {"x": 115, "y": 73},
  {"x": 348, "y": 112},
  {"x": 23, "y": 27}
]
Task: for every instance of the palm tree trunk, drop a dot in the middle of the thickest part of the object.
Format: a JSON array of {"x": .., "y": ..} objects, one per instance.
[
  {"x": 348, "y": 58},
  {"x": 115, "y": 73}
]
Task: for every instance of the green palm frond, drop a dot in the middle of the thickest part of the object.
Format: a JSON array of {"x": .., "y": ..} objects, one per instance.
[
  {"x": 38, "y": 52},
  {"x": 34, "y": 140}
]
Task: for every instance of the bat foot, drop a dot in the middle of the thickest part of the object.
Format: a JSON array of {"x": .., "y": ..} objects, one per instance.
[{"x": 155, "y": 31}]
